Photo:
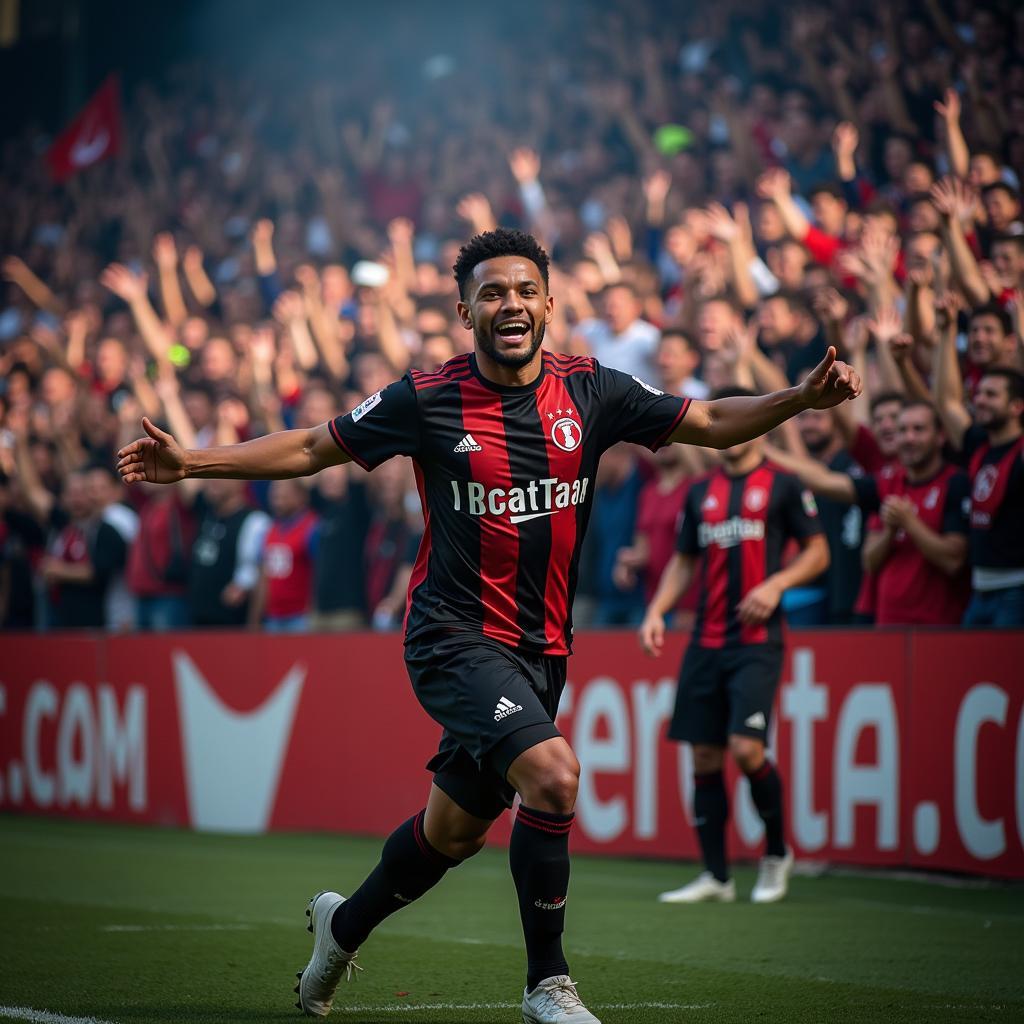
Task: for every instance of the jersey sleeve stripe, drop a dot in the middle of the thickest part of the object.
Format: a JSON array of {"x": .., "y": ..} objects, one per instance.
[
  {"x": 672, "y": 429},
  {"x": 333, "y": 431}
]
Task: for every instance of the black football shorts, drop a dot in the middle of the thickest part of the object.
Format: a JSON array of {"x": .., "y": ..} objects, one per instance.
[
  {"x": 725, "y": 691},
  {"x": 493, "y": 702}
]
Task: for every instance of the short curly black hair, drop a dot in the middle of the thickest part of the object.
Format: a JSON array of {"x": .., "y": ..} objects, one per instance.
[{"x": 499, "y": 242}]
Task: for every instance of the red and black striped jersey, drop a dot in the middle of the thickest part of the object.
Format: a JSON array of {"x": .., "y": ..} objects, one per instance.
[
  {"x": 741, "y": 525},
  {"x": 506, "y": 479}
]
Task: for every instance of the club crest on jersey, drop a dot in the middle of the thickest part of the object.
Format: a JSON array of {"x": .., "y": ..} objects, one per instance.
[
  {"x": 985, "y": 483},
  {"x": 931, "y": 499},
  {"x": 567, "y": 434},
  {"x": 756, "y": 499}
]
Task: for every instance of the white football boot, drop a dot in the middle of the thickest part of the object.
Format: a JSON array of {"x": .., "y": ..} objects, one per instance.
[
  {"x": 705, "y": 888},
  {"x": 772, "y": 879},
  {"x": 329, "y": 961},
  {"x": 555, "y": 1001}
]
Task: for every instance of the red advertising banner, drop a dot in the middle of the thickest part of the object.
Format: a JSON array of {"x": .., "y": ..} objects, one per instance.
[
  {"x": 965, "y": 780},
  {"x": 895, "y": 748}
]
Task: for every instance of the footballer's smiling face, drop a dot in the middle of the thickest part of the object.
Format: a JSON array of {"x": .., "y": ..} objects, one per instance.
[{"x": 507, "y": 307}]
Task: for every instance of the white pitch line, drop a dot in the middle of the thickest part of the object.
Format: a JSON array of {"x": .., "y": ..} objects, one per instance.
[
  {"x": 177, "y": 928},
  {"x": 413, "y": 1007},
  {"x": 45, "y": 1017}
]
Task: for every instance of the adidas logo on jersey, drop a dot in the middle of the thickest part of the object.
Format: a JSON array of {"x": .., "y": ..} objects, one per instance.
[
  {"x": 505, "y": 708},
  {"x": 467, "y": 444},
  {"x": 756, "y": 721}
]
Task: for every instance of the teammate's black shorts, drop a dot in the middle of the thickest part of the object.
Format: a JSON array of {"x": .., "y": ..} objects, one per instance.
[
  {"x": 493, "y": 702},
  {"x": 725, "y": 691}
]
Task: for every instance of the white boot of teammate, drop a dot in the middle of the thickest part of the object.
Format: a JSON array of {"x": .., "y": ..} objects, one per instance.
[
  {"x": 705, "y": 888},
  {"x": 555, "y": 1001},
  {"x": 329, "y": 961},
  {"x": 772, "y": 879}
]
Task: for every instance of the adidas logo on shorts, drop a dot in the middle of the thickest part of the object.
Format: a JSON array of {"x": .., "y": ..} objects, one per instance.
[{"x": 505, "y": 708}]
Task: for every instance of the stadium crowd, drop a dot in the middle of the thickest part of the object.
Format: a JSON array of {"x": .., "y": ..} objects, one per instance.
[{"x": 724, "y": 195}]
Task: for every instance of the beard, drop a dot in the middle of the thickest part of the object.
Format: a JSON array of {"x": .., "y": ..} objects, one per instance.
[
  {"x": 993, "y": 421},
  {"x": 513, "y": 360},
  {"x": 817, "y": 444}
]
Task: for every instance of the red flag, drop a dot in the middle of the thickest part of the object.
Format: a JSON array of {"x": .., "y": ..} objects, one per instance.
[{"x": 94, "y": 135}]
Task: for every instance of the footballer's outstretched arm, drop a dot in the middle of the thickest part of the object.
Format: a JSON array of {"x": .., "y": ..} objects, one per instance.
[
  {"x": 728, "y": 421},
  {"x": 159, "y": 459}
]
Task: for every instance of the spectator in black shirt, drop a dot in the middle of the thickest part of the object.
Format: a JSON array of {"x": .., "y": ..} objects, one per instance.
[
  {"x": 842, "y": 524},
  {"x": 83, "y": 556},
  {"x": 993, "y": 448},
  {"x": 225, "y": 554},
  {"x": 339, "y": 498},
  {"x": 21, "y": 539}
]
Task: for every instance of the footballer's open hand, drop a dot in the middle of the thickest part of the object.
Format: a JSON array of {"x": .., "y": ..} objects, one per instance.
[{"x": 156, "y": 459}]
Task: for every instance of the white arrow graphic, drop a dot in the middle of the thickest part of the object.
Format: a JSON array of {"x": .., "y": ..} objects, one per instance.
[{"x": 232, "y": 759}]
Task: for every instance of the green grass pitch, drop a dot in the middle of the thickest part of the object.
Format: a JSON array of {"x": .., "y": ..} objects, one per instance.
[{"x": 145, "y": 925}]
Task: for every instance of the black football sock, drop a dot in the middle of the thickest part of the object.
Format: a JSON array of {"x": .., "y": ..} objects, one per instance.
[
  {"x": 766, "y": 792},
  {"x": 538, "y": 855},
  {"x": 711, "y": 812},
  {"x": 408, "y": 867}
]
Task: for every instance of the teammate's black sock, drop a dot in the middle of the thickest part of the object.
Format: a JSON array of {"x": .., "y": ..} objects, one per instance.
[
  {"x": 766, "y": 792},
  {"x": 711, "y": 811},
  {"x": 538, "y": 855},
  {"x": 408, "y": 867}
]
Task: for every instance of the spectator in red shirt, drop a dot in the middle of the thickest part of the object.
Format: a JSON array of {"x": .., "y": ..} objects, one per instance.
[
  {"x": 990, "y": 343},
  {"x": 158, "y": 560},
  {"x": 284, "y": 596},
  {"x": 657, "y": 523},
  {"x": 917, "y": 541}
]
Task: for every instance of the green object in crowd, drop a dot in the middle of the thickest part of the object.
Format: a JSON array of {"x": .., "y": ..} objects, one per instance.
[
  {"x": 179, "y": 355},
  {"x": 672, "y": 138}
]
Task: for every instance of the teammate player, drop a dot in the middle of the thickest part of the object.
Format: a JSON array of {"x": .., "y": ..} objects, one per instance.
[
  {"x": 739, "y": 517},
  {"x": 506, "y": 442}
]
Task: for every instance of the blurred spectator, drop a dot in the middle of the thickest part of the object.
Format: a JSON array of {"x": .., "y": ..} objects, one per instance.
[
  {"x": 659, "y": 507},
  {"x": 84, "y": 556},
  {"x": 284, "y": 596},
  {"x": 107, "y": 495},
  {"x": 225, "y": 555},
  {"x": 678, "y": 361},
  {"x": 158, "y": 561},
  {"x": 613, "y": 525},
  {"x": 392, "y": 541},
  {"x": 622, "y": 339},
  {"x": 21, "y": 542},
  {"x": 340, "y": 500},
  {"x": 830, "y": 600}
]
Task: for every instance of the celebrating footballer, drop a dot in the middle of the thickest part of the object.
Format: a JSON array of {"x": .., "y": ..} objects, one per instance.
[{"x": 506, "y": 441}]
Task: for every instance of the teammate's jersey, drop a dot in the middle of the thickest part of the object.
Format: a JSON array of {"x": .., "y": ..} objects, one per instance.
[
  {"x": 741, "y": 524},
  {"x": 506, "y": 478}
]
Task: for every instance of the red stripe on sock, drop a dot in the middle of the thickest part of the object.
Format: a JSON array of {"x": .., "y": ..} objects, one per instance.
[{"x": 558, "y": 828}]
